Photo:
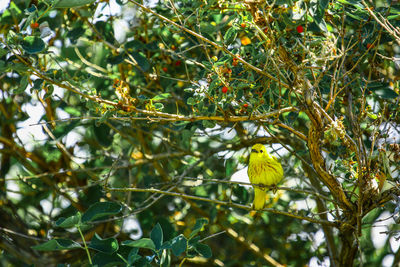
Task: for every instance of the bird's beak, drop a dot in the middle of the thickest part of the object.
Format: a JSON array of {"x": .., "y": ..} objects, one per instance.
[{"x": 254, "y": 151}]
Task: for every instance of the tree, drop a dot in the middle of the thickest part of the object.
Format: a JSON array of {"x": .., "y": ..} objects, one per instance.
[{"x": 148, "y": 109}]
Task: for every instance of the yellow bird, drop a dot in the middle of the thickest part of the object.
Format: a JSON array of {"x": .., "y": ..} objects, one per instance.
[{"x": 265, "y": 170}]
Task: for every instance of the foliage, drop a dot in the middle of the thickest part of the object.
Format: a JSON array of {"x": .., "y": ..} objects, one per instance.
[{"x": 123, "y": 123}]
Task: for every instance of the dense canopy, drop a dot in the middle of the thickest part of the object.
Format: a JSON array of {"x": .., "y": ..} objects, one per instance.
[{"x": 126, "y": 126}]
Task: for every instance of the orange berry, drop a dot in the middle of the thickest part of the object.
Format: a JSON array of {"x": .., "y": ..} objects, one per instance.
[
  {"x": 235, "y": 61},
  {"x": 245, "y": 40},
  {"x": 35, "y": 25},
  {"x": 246, "y": 105},
  {"x": 165, "y": 69},
  {"x": 243, "y": 25},
  {"x": 370, "y": 46}
]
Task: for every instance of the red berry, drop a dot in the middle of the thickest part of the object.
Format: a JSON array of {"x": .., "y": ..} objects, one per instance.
[
  {"x": 224, "y": 89},
  {"x": 35, "y": 25},
  {"x": 243, "y": 25},
  {"x": 266, "y": 30},
  {"x": 299, "y": 29},
  {"x": 246, "y": 105},
  {"x": 178, "y": 63},
  {"x": 369, "y": 46},
  {"x": 165, "y": 69}
]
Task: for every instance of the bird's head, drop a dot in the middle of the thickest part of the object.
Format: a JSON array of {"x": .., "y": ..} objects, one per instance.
[{"x": 258, "y": 151}]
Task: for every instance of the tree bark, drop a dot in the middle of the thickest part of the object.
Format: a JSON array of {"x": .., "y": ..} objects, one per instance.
[{"x": 349, "y": 247}]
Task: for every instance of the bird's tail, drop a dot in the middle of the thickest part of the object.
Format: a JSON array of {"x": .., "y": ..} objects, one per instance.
[{"x": 259, "y": 198}]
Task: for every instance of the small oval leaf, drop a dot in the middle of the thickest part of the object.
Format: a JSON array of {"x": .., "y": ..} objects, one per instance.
[
  {"x": 108, "y": 245},
  {"x": 157, "y": 236},
  {"x": 230, "y": 35},
  {"x": 142, "y": 61},
  {"x": 386, "y": 93},
  {"x": 33, "y": 44},
  {"x": 161, "y": 96},
  {"x": 101, "y": 210},
  {"x": 197, "y": 227},
  {"x": 69, "y": 222},
  {"x": 203, "y": 250},
  {"x": 57, "y": 244},
  {"x": 141, "y": 243},
  {"x": 179, "y": 245}
]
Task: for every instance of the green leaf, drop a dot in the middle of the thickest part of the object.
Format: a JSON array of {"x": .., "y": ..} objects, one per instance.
[
  {"x": 141, "y": 243},
  {"x": 203, "y": 250},
  {"x": 166, "y": 245},
  {"x": 198, "y": 226},
  {"x": 157, "y": 236},
  {"x": 69, "y": 222},
  {"x": 230, "y": 35},
  {"x": 101, "y": 210},
  {"x": 161, "y": 96},
  {"x": 57, "y": 244},
  {"x": 142, "y": 61},
  {"x": 72, "y": 3},
  {"x": 115, "y": 60},
  {"x": 18, "y": 67},
  {"x": 386, "y": 93},
  {"x": 208, "y": 124},
  {"x": 75, "y": 33},
  {"x": 50, "y": 90},
  {"x": 191, "y": 101},
  {"x": 321, "y": 24},
  {"x": 3, "y": 52},
  {"x": 108, "y": 245},
  {"x": 37, "y": 84},
  {"x": 193, "y": 241},
  {"x": 103, "y": 135},
  {"x": 323, "y": 4},
  {"x": 179, "y": 245},
  {"x": 158, "y": 106},
  {"x": 106, "y": 260},
  {"x": 33, "y": 44},
  {"x": 72, "y": 111},
  {"x": 22, "y": 85},
  {"x": 133, "y": 256},
  {"x": 230, "y": 166},
  {"x": 134, "y": 45},
  {"x": 211, "y": 109},
  {"x": 2, "y": 65},
  {"x": 354, "y": 3}
]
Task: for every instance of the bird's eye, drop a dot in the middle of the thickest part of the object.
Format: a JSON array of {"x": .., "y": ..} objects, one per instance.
[{"x": 261, "y": 151}]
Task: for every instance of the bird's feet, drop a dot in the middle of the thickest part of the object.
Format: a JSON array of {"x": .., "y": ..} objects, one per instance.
[
  {"x": 274, "y": 188},
  {"x": 262, "y": 186}
]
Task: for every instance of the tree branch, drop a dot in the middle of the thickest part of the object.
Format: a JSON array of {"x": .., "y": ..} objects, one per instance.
[{"x": 218, "y": 202}]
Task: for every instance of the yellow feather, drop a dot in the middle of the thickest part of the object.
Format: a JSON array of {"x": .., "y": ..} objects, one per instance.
[{"x": 265, "y": 170}]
